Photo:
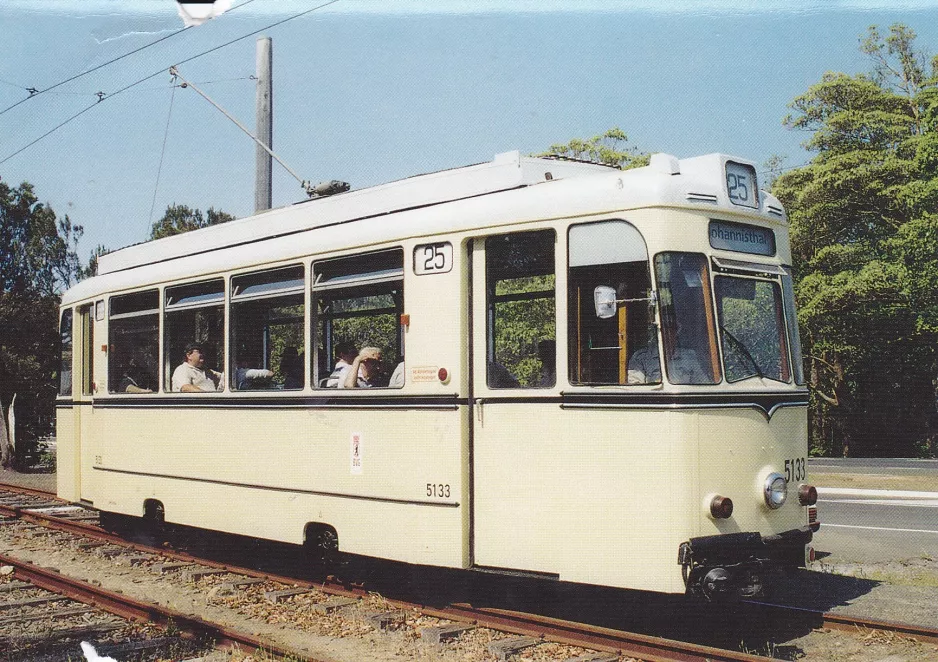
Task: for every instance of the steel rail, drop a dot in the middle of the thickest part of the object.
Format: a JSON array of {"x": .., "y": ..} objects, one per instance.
[
  {"x": 620, "y": 642},
  {"x": 30, "y": 491},
  {"x": 136, "y": 610},
  {"x": 653, "y": 649},
  {"x": 568, "y": 632},
  {"x": 849, "y": 623}
]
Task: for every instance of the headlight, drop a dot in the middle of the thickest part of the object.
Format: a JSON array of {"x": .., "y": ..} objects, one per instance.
[{"x": 775, "y": 490}]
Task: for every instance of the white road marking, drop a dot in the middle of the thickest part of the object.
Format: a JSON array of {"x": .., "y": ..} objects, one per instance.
[
  {"x": 915, "y": 503},
  {"x": 887, "y": 494},
  {"x": 874, "y": 528}
]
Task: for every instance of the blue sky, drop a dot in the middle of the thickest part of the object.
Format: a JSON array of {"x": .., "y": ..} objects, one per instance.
[{"x": 368, "y": 91}]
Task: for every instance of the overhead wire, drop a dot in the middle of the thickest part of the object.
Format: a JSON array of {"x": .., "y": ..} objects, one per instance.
[
  {"x": 160, "y": 88},
  {"x": 36, "y": 92},
  {"x": 159, "y": 168},
  {"x": 105, "y": 97}
]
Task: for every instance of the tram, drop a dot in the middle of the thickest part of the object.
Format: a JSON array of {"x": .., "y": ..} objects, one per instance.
[{"x": 581, "y": 373}]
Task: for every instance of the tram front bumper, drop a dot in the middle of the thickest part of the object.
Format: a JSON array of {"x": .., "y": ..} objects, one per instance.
[{"x": 734, "y": 564}]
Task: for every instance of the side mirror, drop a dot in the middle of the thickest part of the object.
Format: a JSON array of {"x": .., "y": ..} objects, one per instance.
[{"x": 604, "y": 297}]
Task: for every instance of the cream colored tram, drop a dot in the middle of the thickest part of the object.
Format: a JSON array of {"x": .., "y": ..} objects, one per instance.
[{"x": 598, "y": 376}]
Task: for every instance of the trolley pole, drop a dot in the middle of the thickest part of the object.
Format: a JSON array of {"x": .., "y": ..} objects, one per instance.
[{"x": 263, "y": 188}]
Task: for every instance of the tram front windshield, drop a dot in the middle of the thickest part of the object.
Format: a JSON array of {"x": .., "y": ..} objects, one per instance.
[
  {"x": 752, "y": 319},
  {"x": 742, "y": 320}
]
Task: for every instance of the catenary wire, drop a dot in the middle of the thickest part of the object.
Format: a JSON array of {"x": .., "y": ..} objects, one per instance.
[
  {"x": 159, "y": 169},
  {"x": 36, "y": 93},
  {"x": 163, "y": 70}
]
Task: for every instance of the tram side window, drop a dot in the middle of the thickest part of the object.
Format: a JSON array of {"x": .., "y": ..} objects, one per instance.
[
  {"x": 267, "y": 321},
  {"x": 194, "y": 315},
  {"x": 358, "y": 302},
  {"x": 134, "y": 342},
  {"x": 617, "y": 344},
  {"x": 687, "y": 321},
  {"x": 521, "y": 310},
  {"x": 65, "y": 367}
]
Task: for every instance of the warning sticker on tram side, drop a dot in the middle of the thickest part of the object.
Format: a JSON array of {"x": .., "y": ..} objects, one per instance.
[
  {"x": 355, "y": 452},
  {"x": 424, "y": 373}
]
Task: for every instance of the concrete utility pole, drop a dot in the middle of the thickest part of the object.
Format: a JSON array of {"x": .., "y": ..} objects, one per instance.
[{"x": 263, "y": 190}]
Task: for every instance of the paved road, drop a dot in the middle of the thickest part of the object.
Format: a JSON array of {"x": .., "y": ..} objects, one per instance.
[
  {"x": 895, "y": 467},
  {"x": 877, "y": 525}
]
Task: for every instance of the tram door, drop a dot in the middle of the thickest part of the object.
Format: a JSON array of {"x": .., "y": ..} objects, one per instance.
[
  {"x": 83, "y": 399},
  {"x": 513, "y": 349}
]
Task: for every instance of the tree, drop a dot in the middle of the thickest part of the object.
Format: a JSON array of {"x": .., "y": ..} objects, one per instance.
[
  {"x": 611, "y": 148},
  {"x": 180, "y": 218},
  {"x": 862, "y": 224},
  {"x": 37, "y": 261}
]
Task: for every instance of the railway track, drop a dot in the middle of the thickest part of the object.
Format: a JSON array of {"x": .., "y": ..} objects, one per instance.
[{"x": 511, "y": 632}]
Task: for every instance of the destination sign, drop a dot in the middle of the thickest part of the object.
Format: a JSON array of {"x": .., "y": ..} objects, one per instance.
[{"x": 742, "y": 238}]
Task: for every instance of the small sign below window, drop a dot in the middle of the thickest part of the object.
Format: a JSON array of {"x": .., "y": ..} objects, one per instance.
[
  {"x": 433, "y": 258},
  {"x": 742, "y": 238}
]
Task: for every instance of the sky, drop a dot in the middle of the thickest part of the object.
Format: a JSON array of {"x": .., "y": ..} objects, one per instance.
[{"x": 369, "y": 91}]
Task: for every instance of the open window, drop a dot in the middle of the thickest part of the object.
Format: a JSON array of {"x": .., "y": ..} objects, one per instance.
[
  {"x": 521, "y": 310},
  {"x": 134, "y": 342},
  {"x": 194, "y": 313},
  {"x": 267, "y": 321},
  {"x": 358, "y": 302},
  {"x": 618, "y": 345}
]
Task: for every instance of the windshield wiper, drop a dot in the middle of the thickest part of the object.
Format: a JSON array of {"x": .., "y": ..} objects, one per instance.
[{"x": 745, "y": 351}]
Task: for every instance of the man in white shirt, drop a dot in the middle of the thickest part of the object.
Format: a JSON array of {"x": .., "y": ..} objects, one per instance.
[
  {"x": 191, "y": 376},
  {"x": 684, "y": 367}
]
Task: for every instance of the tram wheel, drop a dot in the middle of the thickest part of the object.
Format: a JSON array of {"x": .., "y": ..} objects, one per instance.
[{"x": 322, "y": 545}]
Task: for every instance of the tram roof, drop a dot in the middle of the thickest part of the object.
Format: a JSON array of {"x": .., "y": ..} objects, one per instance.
[
  {"x": 506, "y": 171},
  {"x": 509, "y": 187}
]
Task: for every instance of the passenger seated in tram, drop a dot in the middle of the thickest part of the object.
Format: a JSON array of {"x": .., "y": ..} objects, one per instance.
[
  {"x": 191, "y": 376},
  {"x": 247, "y": 377},
  {"x": 684, "y": 366},
  {"x": 291, "y": 367},
  {"x": 547, "y": 353},
  {"x": 397, "y": 377},
  {"x": 135, "y": 378},
  {"x": 366, "y": 370},
  {"x": 345, "y": 353}
]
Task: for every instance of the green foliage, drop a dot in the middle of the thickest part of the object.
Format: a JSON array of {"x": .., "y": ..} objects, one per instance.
[
  {"x": 611, "y": 148},
  {"x": 180, "y": 218},
  {"x": 865, "y": 247},
  {"x": 521, "y": 325},
  {"x": 37, "y": 261}
]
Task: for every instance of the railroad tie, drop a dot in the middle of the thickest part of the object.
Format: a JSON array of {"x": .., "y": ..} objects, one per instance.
[
  {"x": 14, "y": 586},
  {"x": 132, "y": 559},
  {"x": 199, "y": 573},
  {"x": 166, "y": 568},
  {"x": 51, "y": 615},
  {"x": 280, "y": 596},
  {"x": 26, "y": 602},
  {"x": 505, "y": 648},
  {"x": 385, "y": 620},
  {"x": 228, "y": 588},
  {"x": 594, "y": 657},
  {"x": 334, "y": 604},
  {"x": 440, "y": 634}
]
